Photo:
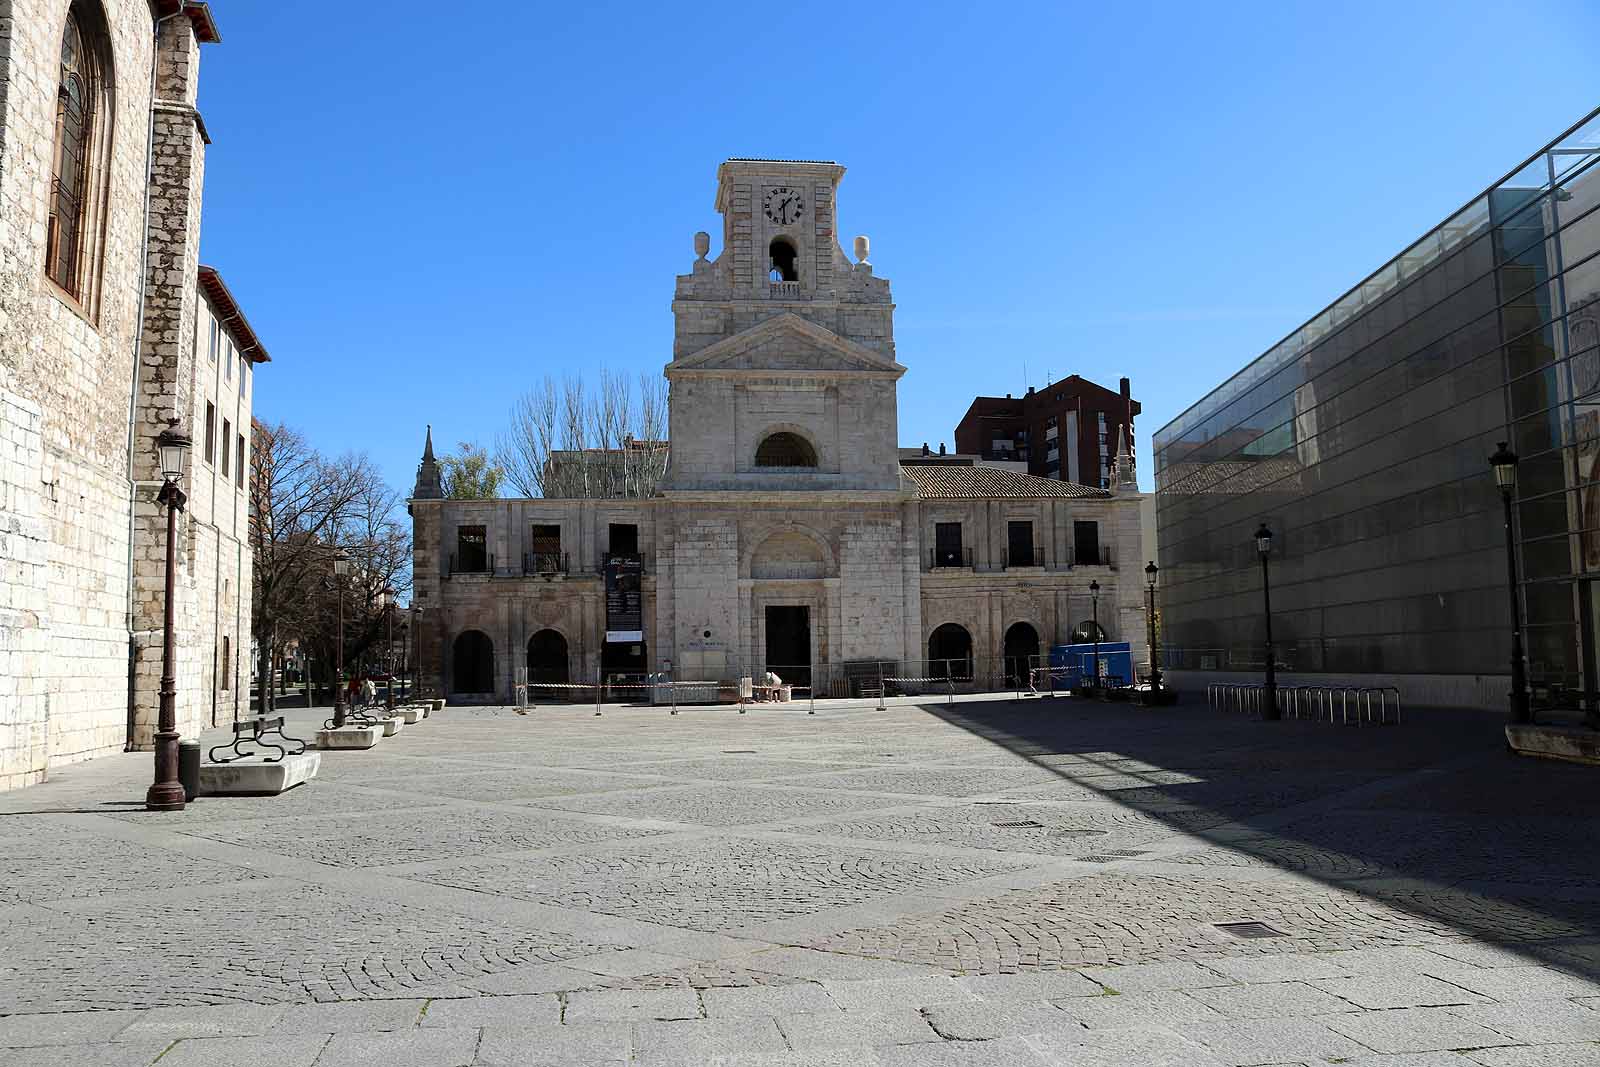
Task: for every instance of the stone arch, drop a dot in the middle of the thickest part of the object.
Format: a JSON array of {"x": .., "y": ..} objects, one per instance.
[
  {"x": 790, "y": 551},
  {"x": 786, "y": 448},
  {"x": 1020, "y": 651},
  {"x": 472, "y": 663},
  {"x": 950, "y": 652},
  {"x": 549, "y": 659}
]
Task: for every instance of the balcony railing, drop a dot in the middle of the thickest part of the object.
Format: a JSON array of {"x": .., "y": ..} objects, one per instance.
[
  {"x": 1023, "y": 556},
  {"x": 950, "y": 557},
  {"x": 477, "y": 566},
  {"x": 783, "y": 290},
  {"x": 545, "y": 563},
  {"x": 1100, "y": 557}
]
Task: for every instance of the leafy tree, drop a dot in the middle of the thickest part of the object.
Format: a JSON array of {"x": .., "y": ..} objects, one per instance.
[{"x": 470, "y": 473}]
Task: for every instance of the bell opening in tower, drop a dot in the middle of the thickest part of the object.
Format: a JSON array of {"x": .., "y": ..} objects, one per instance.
[{"x": 785, "y": 260}]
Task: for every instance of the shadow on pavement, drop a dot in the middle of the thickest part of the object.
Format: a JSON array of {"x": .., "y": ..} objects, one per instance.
[{"x": 1434, "y": 818}]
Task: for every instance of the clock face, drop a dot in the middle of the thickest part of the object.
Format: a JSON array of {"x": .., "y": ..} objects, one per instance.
[{"x": 784, "y": 205}]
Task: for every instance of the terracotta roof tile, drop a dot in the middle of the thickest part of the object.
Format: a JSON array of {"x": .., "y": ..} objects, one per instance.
[{"x": 936, "y": 482}]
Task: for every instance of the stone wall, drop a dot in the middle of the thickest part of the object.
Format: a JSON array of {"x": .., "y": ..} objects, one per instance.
[
  {"x": 81, "y": 604},
  {"x": 71, "y": 365}
]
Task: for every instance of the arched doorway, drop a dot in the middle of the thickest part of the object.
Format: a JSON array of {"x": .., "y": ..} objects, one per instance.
[
  {"x": 950, "y": 653},
  {"x": 547, "y": 658},
  {"x": 1021, "y": 652},
  {"x": 472, "y": 665},
  {"x": 1087, "y": 632}
]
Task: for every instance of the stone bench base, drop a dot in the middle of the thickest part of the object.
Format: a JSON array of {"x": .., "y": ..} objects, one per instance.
[
  {"x": 349, "y": 737},
  {"x": 411, "y": 715},
  {"x": 391, "y": 726},
  {"x": 257, "y": 776},
  {"x": 1574, "y": 743}
]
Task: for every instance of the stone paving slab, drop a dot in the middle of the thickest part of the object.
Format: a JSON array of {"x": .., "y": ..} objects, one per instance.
[{"x": 982, "y": 884}]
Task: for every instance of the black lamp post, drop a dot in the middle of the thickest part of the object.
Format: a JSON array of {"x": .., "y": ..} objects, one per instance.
[
  {"x": 341, "y": 567},
  {"x": 1150, "y": 570},
  {"x": 1094, "y": 595},
  {"x": 388, "y": 699},
  {"x": 1264, "y": 549},
  {"x": 1504, "y": 462},
  {"x": 166, "y": 792}
]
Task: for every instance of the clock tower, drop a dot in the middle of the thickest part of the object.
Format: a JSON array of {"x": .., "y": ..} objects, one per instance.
[
  {"x": 780, "y": 254},
  {"x": 781, "y": 334}
]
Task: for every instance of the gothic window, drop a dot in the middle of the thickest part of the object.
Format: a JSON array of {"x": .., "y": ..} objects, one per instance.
[
  {"x": 784, "y": 449},
  {"x": 81, "y": 95},
  {"x": 785, "y": 260}
]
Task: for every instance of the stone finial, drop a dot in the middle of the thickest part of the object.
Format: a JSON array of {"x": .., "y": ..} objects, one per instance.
[
  {"x": 863, "y": 249},
  {"x": 702, "y": 244},
  {"x": 1122, "y": 467}
]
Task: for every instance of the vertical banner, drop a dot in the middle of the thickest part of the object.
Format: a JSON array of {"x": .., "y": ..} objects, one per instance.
[{"x": 624, "y": 600}]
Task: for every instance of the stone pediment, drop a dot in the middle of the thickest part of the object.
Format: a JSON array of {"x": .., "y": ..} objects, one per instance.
[{"x": 787, "y": 344}]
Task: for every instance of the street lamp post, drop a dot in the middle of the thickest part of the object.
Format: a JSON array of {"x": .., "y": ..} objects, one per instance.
[
  {"x": 341, "y": 567},
  {"x": 1094, "y": 600},
  {"x": 1264, "y": 548},
  {"x": 1504, "y": 462},
  {"x": 166, "y": 792},
  {"x": 1155, "y": 652},
  {"x": 388, "y": 599}
]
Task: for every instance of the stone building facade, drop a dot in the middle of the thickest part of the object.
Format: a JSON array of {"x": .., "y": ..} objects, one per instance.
[
  {"x": 787, "y": 533},
  {"x": 102, "y": 154}
]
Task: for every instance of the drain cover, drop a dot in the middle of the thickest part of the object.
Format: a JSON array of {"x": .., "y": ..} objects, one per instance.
[
  {"x": 1250, "y": 929},
  {"x": 1021, "y": 824},
  {"x": 738, "y": 752}
]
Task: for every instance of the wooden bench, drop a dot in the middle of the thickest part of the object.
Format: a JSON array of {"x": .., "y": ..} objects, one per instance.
[{"x": 257, "y": 730}]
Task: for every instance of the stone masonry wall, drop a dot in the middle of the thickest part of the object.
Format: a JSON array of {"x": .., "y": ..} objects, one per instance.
[
  {"x": 66, "y": 499},
  {"x": 168, "y": 384}
]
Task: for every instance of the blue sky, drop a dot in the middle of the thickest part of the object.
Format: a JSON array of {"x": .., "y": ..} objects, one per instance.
[{"x": 424, "y": 213}]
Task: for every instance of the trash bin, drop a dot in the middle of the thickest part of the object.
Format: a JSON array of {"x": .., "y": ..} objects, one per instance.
[{"x": 189, "y": 768}]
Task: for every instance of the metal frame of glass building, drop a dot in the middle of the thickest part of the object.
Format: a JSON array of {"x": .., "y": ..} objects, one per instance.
[{"x": 1362, "y": 439}]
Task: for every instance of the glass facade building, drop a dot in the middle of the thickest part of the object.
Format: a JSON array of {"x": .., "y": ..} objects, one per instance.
[{"x": 1362, "y": 440}]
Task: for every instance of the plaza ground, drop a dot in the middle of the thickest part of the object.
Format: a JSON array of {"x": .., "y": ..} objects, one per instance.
[{"x": 988, "y": 882}]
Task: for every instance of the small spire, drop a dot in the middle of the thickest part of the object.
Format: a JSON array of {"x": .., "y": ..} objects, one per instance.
[{"x": 429, "y": 485}]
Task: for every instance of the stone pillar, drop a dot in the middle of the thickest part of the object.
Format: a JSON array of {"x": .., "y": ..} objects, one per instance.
[{"x": 167, "y": 382}]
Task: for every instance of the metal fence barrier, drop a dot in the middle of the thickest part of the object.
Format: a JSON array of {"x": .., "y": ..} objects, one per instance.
[{"x": 1348, "y": 705}]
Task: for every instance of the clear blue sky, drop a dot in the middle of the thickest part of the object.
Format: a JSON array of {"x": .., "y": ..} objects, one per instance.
[{"x": 426, "y": 211}]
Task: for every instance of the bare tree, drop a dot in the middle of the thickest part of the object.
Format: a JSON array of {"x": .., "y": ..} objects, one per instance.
[
  {"x": 303, "y": 506},
  {"x": 567, "y": 439}
]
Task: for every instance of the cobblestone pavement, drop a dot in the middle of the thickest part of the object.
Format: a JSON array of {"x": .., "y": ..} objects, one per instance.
[{"x": 989, "y": 882}]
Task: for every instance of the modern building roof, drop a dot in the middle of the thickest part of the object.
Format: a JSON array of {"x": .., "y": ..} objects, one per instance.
[
  {"x": 939, "y": 482},
  {"x": 230, "y": 315},
  {"x": 759, "y": 159}
]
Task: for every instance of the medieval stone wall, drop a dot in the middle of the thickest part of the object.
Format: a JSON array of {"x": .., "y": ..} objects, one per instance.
[{"x": 82, "y": 540}]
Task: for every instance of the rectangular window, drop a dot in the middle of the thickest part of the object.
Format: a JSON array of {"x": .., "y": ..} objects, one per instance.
[
  {"x": 624, "y": 539},
  {"x": 239, "y": 459},
  {"x": 1086, "y": 543},
  {"x": 227, "y": 660},
  {"x": 544, "y": 546},
  {"x": 244, "y": 368},
  {"x": 211, "y": 432},
  {"x": 227, "y": 365},
  {"x": 947, "y": 545},
  {"x": 1019, "y": 544},
  {"x": 227, "y": 443},
  {"x": 215, "y": 334},
  {"x": 472, "y": 549}
]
